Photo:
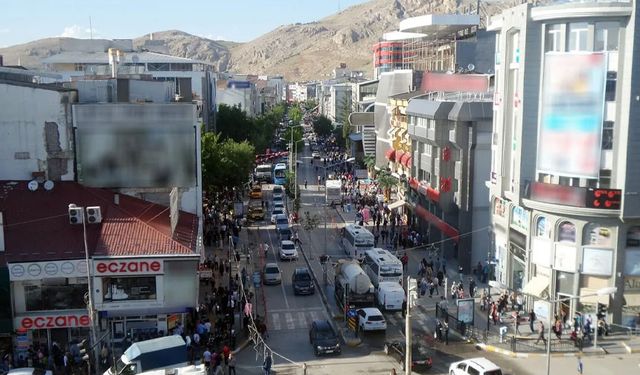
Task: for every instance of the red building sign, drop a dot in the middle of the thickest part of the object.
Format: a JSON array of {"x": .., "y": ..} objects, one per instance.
[
  {"x": 128, "y": 267},
  {"x": 53, "y": 321}
]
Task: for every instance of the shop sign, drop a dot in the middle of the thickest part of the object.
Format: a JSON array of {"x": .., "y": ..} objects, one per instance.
[
  {"x": 597, "y": 261},
  {"x": 632, "y": 263},
  {"x": 53, "y": 321},
  {"x": 632, "y": 284},
  {"x": 128, "y": 267},
  {"x": 520, "y": 218},
  {"x": 44, "y": 270},
  {"x": 565, "y": 258},
  {"x": 499, "y": 207}
]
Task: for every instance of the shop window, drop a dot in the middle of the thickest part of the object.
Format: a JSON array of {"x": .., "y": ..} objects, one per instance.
[
  {"x": 594, "y": 234},
  {"x": 610, "y": 87},
  {"x": 578, "y": 33},
  {"x": 55, "y": 294},
  {"x": 567, "y": 232},
  {"x": 607, "y": 135},
  {"x": 633, "y": 237},
  {"x": 542, "y": 227},
  {"x": 128, "y": 288}
]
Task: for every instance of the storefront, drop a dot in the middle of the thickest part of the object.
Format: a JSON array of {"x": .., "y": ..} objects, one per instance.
[
  {"x": 518, "y": 229},
  {"x": 144, "y": 297},
  {"x": 631, "y": 307},
  {"x": 49, "y": 303},
  {"x": 499, "y": 258}
]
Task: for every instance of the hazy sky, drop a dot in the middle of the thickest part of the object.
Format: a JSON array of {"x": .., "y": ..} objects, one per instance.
[{"x": 22, "y": 21}]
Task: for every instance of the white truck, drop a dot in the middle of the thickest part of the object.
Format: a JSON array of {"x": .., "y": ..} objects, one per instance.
[
  {"x": 353, "y": 284},
  {"x": 390, "y": 296},
  {"x": 333, "y": 192}
]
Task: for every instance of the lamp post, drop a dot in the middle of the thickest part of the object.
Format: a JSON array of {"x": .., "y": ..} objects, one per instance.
[{"x": 601, "y": 292}]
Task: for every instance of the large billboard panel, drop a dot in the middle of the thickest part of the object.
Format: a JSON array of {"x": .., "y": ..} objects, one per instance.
[
  {"x": 136, "y": 145},
  {"x": 572, "y": 110}
]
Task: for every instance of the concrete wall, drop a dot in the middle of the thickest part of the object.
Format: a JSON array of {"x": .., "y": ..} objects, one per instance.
[{"x": 35, "y": 132}]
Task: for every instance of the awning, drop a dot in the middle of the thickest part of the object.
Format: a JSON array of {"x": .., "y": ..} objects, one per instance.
[
  {"x": 592, "y": 300},
  {"x": 445, "y": 228},
  {"x": 536, "y": 286},
  {"x": 399, "y": 155},
  {"x": 404, "y": 158},
  {"x": 632, "y": 299},
  {"x": 355, "y": 137},
  {"x": 396, "y": 204},
  {"x": 424, "y": 189},
  {"x": 390, "y": 154}
]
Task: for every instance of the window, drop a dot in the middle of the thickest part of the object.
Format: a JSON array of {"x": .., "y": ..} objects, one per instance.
[
  {"x": 55, "y": 294},
  {"x": 610, "y": 88},
  {"x": 567, "y": 232},
  {"x": 515, "y": 48},
  {"x": 605, "y": 178},
  {"x": 542, "y": 229},
  {"x": 553, "y": 39},
  {"x": 578, "y": 33},
  {"x": 633, "y": 237},
  {"x": 606, "y": 36},
  {"x": 607, "y": 135},
  {"x": 128, "y": 288},
  {"x": 472, "y": 371}
]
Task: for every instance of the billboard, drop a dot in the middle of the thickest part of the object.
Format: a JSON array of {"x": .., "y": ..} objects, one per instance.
[
  {"x": 572, "y": 110},
  {"x": 136, "y": 145}
]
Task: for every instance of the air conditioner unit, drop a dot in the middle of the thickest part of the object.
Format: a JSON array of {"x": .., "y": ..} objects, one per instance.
[
  {"x": 75, "y": 214},
  {"x": 94, "y": 216}
]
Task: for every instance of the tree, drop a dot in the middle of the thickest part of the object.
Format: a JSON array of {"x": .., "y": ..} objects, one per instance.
[
  {"x": 386, "y": 181},
  {"x": 295, "y": 115},
  {"x": 232, "y": 122},
  {"x": 310, "y": 104},
  {"x": 322, "y": 126},
  {"x": 225, "y": 163}
]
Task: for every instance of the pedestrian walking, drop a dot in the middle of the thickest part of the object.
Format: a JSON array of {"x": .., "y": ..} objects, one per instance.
[
  {"x": 305, "y": 184},
  {"x": 461, "y": 273},
  {"x": 516, "y": 323},
  {"x": 532, "y": 318},
  {"x": 541, "y": 333},
  {"x": 446, "y": 333},
  {"x": 580, "y": 365},
  {"x": 232, "y": 364},
  {"x": 266, "y": 365}
]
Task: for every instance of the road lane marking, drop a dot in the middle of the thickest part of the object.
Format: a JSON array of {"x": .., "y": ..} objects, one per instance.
[
  {"x": 289, "y": 319},
  {"x": 302, "y": 320},
  {"x": 275, "y": 322},
  {"x": 319, "y": 308},
  {"x": 314, "y": 316}
]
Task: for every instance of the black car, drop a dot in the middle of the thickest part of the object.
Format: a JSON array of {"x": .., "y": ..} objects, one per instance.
[
  {"x": 420, "y": 355},
  {"x": 302, "y": 281},
  {"x": 285, "y": 234},
  {"x": 324, "y": 338}
]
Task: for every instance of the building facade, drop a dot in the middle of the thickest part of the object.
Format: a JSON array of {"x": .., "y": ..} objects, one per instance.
[
  {"x": 387, "y": 57},
  {"x": 563, "y": 190}
]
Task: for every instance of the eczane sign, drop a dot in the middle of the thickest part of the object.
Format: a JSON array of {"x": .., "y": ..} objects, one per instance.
[
  {"x": 128, "y": 267},
  {"x": 53, "y": 321}
]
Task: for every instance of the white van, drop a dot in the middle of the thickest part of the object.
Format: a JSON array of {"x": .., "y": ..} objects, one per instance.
[{"x": 390, "y": 296}]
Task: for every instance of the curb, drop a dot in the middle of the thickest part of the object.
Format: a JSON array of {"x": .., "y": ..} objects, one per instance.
[
  {"x": 630, "y": 349},
  {"x": 509, "y": 353}
]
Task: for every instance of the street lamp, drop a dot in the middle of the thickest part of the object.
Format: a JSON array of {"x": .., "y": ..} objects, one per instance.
[{"x": 600, "y": 292}]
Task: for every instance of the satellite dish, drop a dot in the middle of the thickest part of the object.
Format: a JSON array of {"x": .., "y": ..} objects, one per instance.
[
  {"x": 33, "y": 185},
  {"x": 48, "y": 185},
  {"x": 471, "y": 67}
]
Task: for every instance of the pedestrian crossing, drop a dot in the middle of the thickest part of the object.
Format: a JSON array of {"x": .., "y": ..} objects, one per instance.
[
  {"x": 421, "y": 318},
  {"x": 293, "y": 320}
]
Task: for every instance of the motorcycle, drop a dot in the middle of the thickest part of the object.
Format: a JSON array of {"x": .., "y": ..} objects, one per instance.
[{"x": 603, "y": 328}]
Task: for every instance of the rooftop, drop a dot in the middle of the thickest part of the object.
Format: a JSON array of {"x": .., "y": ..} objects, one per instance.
[
  {"x": 128, "y": 58},
  {"x": 439, "y": 26},
  {"x": 36, "y": 224}
]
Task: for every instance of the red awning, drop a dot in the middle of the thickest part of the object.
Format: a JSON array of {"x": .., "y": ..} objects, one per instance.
[
  {"x": 390, "y": 154},
  {"x": 405, "y": 158},
  {"x": 445, "y": 228},
  {"x": 399, "y": 155},
  {"x": 424, "y": 189}
]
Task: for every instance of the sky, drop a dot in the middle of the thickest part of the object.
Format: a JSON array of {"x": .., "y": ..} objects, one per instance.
[{"x": 22, "y": 21}]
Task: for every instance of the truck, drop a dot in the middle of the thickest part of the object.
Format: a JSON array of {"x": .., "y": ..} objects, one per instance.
[
  {"x": 333, "y": 191},
  {"x": 163, "y": 353},
  {"x": 352, "y": 286},
  {"x": 390, "y": 296},
  {"x": 263, "y": 173}
]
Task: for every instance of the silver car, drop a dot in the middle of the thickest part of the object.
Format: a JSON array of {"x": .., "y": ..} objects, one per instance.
[{"x": 271, "y": 274}]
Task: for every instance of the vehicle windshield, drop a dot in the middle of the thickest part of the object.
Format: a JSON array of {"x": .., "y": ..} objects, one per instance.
[
  {"x": 277, "y": 189},
  {"x": 285, "y": 232},
  {"x": 277, "y": 211},
  {"x": 288, "y": 246},
  {"x": 283, "y": 220},
  {"x": 494, "y": 372},
  {"x": 391, "y": 271},
  {"x": 271, "y": 270},
  {"x": 123, "y": 368},
  {"x": 376, "y": 318},
  {"x": 303, "y": 276},
  {"x": 326, "y": 334}
]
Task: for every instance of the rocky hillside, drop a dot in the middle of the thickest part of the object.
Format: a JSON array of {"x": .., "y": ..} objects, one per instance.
[{"x": 299, "y": 51}]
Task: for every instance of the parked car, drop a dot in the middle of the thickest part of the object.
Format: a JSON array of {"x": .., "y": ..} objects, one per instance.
[
  {"x": 285, "y": 234},
  {"x": 371, "y": 319},
  {"x": 323, "y": 338},
  {"x": 278, "y": 192},
  {"x": 288, "y": 250},
  {"x": 282, "y": 222},
  {"x": 302, "y": 281},
  {"x": 275, "y": 213},
  {"x": 475, "y": 366},
  {"x": 420, "y": 354},
  {"x": 315, "y": 155},
  {"x": 271, "y": 274}
]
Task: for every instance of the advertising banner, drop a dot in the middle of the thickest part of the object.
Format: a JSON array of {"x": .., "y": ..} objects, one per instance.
[
  {"x": 465, "y": 310},
  {"x": 572, "y": 111}
]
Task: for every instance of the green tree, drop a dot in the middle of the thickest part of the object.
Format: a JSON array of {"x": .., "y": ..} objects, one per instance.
[
  {"x": 225, "y": 163},
  {"x": 232, "y": 122},
  {"x": 370, "y": 162},
  {"x": 322, "y": 126},
  {"x": 295, "y": 115},
  {"x": 310, "y": 104},
  {"x": 297, "y": 135},
  {"x": 386, "y": 181}
]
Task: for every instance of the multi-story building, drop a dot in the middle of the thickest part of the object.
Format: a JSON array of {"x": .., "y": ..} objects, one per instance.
[
  {"x": 450, "y": 136},
  {"x": 387, "y": 57},
  {"x": 564, "y": 177},
  {"x": 241, "y": 93}
]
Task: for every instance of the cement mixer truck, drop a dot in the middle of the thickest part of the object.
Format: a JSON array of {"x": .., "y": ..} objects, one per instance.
[{"x": 352, "y": 285}]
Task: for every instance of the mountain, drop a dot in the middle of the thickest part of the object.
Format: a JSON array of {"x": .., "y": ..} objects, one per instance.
[{"x": 298, "y": 51}]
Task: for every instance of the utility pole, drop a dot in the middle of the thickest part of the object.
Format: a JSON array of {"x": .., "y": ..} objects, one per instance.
[{"x": 412, "y": 289}]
